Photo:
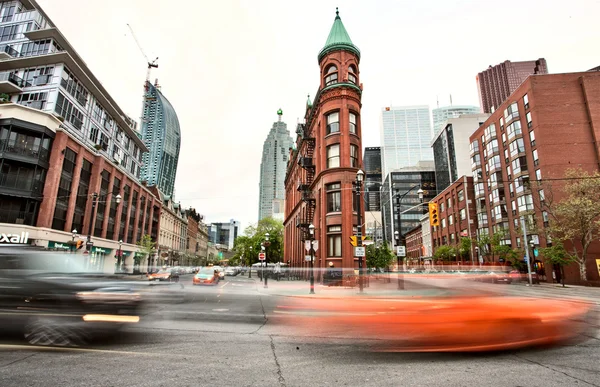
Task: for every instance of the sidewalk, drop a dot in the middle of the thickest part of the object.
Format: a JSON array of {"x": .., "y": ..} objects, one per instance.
[{"x": 415, "y": 287}]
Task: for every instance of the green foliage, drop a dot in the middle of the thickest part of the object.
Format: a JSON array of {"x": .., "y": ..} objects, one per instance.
[
  {"x": 576, "y": 218},
  {"x": 146, "y": 245},
  {"x": 558, "y": 255},
  {"x": 379, "y": 256},
  {"x": 464, "y": 247},
  {"x": 246, "y": 247},
  {"x": 445, "y": 253}
]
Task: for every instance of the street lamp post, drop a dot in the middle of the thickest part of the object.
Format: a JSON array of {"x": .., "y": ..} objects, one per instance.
[
  {"x": 359, "y": 180},
  {"x": 250, "y": 264},
  {"x": 398, "y": 233},
  {"x": 311, "y": 230},
  {"x": 120, "y": 255},
  {"x": 266, "y": 243}
]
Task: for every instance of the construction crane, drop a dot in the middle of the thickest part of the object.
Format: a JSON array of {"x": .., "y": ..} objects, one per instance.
[{"x": 151, "y": 65}]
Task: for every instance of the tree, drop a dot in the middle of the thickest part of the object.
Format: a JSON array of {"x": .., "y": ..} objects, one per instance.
[
  {"x": 249, "y": 245},
  {"x": 445, "y": 253},
  {"x": 464, "y": 248},
  {"x": 147, "y": 246},
  {"x": 557, "y": 255},
  {"x": 379, "y": 256},
  {"x": 576, "y": 218}
]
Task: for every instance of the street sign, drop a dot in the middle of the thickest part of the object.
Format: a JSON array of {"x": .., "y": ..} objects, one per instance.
[
  {"x": 262, "y": 256},
  {"x": 307, "y": 245},
  {"x": 353, "y": 241},
  {"x": 525, "y": 259},
  {"x": 315, "y": 245},
  {"x": 360, "y": 251},
  {"x": 307, "y": 258},
  {"x": 400, "y": 251}
]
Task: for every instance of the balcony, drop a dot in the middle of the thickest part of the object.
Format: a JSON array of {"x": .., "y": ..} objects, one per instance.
[
  {"x": 303, "y": 187},
  {"x": 33, "y": 104},
  {"x": 7, "y": 52},
  {"x": 8, "y": 146},
  {"x": 17, "y": 182},
  {"x": 305, "y": 162},
  {"x": 11, "y": 83}
]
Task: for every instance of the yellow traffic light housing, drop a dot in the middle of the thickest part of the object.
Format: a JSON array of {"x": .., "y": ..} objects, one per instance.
[{"x": 434, "y": 217}]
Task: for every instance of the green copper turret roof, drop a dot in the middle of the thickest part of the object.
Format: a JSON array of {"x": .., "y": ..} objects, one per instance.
[{"x": 338, "y": 39}]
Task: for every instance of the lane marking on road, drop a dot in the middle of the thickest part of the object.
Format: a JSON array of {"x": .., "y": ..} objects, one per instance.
[
  {"x": 220, "y": 310},
  {"x": 88, "y": 350}
]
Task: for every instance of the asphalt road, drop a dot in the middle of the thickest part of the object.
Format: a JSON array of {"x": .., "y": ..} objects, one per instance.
[{"x": 227, "y": 336}]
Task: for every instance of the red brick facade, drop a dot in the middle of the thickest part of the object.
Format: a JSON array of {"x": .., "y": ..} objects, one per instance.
[
  {"x": 550, "y": 124},
  {"x": 414, "y": 245},
  {"x": 458, "y": 217},
  {"x": 319, "y": 193},
  {"x": 150, "y": 213}
]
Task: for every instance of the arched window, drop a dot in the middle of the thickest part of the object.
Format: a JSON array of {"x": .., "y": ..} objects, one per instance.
[
  {"x": 331, "y": 75},
  {"x": 352, "y": 74}
]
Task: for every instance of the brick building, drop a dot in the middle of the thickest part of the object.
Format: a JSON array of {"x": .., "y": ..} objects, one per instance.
[
  {"x": 548, "y": 125},
  {"x": 457, "y": 214},
  {"x": 59, "y": 190},
  {"x": 414, "y": 246},
  {"x": 325, "y": 161},
  {"x": 496, "y": 83}
]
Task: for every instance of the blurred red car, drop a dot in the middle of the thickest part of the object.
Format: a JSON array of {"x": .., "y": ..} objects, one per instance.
[{"x": 440, "y": 324}]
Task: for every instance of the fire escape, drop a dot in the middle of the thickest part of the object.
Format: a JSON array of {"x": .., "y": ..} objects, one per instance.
[{"x": 306, "y": 161}]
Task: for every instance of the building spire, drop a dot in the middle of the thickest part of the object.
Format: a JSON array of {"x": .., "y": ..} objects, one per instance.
[
  {"x": 279, "y": 114},
  {"x": 338, "y": 39}
]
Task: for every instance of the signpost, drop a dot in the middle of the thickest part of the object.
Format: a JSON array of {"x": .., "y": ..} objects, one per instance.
[
  {"x": 360, "y": 251},
  {"x": 400, "y": 251},
  {"x": 261, "y": 256},
  {"x": 307, "y": 258}
]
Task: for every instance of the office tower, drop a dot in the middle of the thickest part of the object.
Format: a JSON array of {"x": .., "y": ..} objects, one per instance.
[
  {"x": 496, "y": 83},
  {"x": 451, "y": 148},
  {"x": 440, "y": 115},
  {"x": 272, "y": 170},
  {"x": 406, "y": 135},
  {"x": 161, "y": 134}
]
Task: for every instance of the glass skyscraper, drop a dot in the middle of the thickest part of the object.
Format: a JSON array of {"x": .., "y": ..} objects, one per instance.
[
  {"x": 161, "y": 134},
  {"x": 405, "y": 137},
  {"x": 273, "y": 168}
]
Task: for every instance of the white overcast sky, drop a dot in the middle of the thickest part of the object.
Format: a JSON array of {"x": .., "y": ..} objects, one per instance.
[{"x": 228, "y": 65}]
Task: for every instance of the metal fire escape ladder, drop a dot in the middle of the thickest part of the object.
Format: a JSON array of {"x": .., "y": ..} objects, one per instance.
[{"x": 308, "y": 196}]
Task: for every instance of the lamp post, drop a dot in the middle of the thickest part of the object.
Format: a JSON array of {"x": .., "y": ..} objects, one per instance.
[
  {"x": 311, "y": 230},
  {"x": 120, "y": 255},
  {"x": 73, "y": 235},
  {"x": 266, "y": 243},
  {"x": 359, "y": 180},
  {"x": 250, "y": 264},
  {"x": 398, "y": 233}
]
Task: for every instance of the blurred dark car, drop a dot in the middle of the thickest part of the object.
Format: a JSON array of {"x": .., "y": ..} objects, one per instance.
[
  {"x": 496, "y": 277},
  {"x": 54, "y": 299}
]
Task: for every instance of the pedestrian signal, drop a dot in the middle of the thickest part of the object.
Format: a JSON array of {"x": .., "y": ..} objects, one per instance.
[{"x": 434, "y": 217}]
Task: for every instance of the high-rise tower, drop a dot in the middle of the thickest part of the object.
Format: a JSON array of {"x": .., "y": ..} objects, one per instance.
[
  {"x": 272, "y": 170},
  {"x": 161, "y": 134},
  {"x": 328, "y": 154}
]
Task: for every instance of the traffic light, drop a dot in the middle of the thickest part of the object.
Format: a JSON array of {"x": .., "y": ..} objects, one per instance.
[
  {"x": 354, "y": 240},
  {"x": 434, "y": 217},
  {"x": 79, "y": 244}
]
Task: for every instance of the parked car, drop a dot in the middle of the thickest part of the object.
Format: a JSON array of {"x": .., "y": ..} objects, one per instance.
[
  {"x": 230, "y": 271},
  {"x": 56, "y": 299}
]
